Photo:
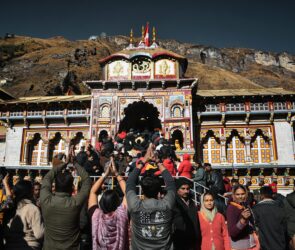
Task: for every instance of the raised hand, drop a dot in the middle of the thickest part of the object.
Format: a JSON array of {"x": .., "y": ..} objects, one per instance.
[
  {"x": 6, "y": 179},
  {"x": 113, "y": 167},
  {"x": 149, "y": 153}
]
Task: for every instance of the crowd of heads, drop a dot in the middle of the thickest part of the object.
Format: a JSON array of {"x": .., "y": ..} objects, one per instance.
[{"x": 122, "y": 154}]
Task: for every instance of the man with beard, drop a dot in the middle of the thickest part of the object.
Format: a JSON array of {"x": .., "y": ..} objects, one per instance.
[{"x": 187, "y": 234}]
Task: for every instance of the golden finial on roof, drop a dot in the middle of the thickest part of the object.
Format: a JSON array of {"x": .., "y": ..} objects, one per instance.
[
  {"x": 154, "y": 34},
  {"x": 131, "y": 36},
  {"x": 142, "y": 33}
]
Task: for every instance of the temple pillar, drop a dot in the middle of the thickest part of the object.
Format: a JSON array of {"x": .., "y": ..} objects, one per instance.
[
  {"x": 223, "y": 159},
  {"x": 248, "y": 148},
  {"x": 45, "y": 158},
  {"x": 271, "y": 149},
  {"x": 223, "y": 149},
  {"x": 26, "y": 153},
  {"x": 67, "y": 146}
]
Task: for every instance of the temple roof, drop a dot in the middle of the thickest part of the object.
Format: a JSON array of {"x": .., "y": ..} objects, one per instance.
[
  {"x": 149, "y": 52},
  {"x": 46, "y": 99},
  {"x": 244, "y": 92}
]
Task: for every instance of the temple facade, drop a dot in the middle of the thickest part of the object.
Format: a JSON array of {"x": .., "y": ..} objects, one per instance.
[{"x": 248, "y": 133}]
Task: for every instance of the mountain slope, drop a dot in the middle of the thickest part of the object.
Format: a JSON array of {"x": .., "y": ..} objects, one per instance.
[{"x": 33, "y": 66}]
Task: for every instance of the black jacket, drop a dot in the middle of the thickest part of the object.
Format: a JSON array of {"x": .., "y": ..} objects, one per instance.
[
  {"x": 289, "y": 206},
  {"x": 271, "y": 222},
  {"x": 186, "y": 226},
  {"x": 215, "y": 182}
]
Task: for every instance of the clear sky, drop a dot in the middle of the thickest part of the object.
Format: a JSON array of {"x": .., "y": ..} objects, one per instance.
[{"x": 267, "y": 25}]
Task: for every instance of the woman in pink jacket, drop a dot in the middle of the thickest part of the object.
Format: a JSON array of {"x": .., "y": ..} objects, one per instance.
[
  {"x": 185, "y": 167},
  {"x": 213, "y": 227}
]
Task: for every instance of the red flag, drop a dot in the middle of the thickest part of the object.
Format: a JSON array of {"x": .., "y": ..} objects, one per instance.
[{"x": 147, "y": 35}]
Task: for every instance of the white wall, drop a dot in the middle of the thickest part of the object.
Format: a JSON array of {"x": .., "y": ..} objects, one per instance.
[
  {"x": 13, "y": 146},
  {"x": 2, "y": 152},
  {"x": 284, "y": 138}
]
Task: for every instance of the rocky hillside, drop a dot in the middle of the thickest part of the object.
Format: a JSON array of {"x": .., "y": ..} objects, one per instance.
[{"x": 33, "y": 66}]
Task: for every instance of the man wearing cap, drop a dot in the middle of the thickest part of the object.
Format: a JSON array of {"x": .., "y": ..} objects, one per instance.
[{"x": 187, "y": 234}]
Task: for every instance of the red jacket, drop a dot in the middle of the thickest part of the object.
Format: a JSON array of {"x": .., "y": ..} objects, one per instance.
[
  {"x": 169, "y": 165},
  {"x": 214, "y": 232},
  {"x": 185, "y": 167}
]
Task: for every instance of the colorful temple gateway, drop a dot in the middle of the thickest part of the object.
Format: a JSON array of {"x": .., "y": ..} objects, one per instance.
[{"x": 247, "y": 133}]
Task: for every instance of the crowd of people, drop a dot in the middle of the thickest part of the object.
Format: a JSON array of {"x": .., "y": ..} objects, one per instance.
[{"x": 111, "y": 212}]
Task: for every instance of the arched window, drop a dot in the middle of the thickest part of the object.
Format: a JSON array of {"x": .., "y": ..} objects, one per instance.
[
  {"x": 105, "y": 111},
  {"x": 211, "y": 151},
  {"x": 260, "y": 148},
  {"x": 235, "y": 150},
  {"x": 36, "y": 151},
  {"x": 78, "y": 141},
  {"x": 56, "y": 145},
  {"x": 211, "y": 147},
  {"x": 176, "y": 111},
  {"x": 177, "y": 139}
]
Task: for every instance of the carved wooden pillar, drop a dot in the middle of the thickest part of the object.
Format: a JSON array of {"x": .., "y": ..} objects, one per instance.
[
  {"x": 45, "y": 158},
  {"x": 271, "y": 145},
  {"x": 26, "y": 153},
  {"x": 222, "y": 146},
  {"x": 67, "y": 146},
  {"x": 248, "y": 146}
]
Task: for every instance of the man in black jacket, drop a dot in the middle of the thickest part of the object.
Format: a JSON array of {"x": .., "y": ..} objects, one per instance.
[
  {"x": 271, "y": 222},
  {"x": 187, "y": 234},
  {"x": 214, "y": 179},
  {"x": 216, "y": 185},
  {"x": 289, "y": 206}
]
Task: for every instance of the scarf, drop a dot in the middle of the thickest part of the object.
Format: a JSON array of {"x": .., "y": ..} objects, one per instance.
[
  {"x": 210, "y": 215},
  {"x": 110, "y": 231}
]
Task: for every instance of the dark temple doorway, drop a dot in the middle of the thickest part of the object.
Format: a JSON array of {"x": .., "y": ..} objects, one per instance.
[{"x": 140, "y": 116}]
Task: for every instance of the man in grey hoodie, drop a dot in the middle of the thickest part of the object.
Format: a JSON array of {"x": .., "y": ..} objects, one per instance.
[{"x": 151, "y": 217}]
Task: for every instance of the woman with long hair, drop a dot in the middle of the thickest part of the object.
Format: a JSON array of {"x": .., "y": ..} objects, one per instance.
[
  {"x": 241, "y": 221},
  {"x": 109, "y": 218},
  {"x": 25, "y": 229},
  {"x": 213, "y": 227}
]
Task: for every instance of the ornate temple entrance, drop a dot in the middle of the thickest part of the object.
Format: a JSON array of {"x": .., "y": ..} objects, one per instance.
[{"x": 140, "y": 116}]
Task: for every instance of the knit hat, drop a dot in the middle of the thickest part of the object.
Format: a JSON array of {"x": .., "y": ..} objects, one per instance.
[{"x": 182, "y": 181}]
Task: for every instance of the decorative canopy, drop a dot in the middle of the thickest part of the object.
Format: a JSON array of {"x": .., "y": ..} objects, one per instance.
[{"x": 146, "y": 61}]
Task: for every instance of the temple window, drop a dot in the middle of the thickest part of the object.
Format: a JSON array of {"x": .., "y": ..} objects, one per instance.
[
  {"x": 235, "y": 150},
  {"x": 16, "y": 113},
  {"x": 259, "y": 106},
  {"x": 54, "y": 112},
  {"x": 105, "y": 111},
  {"x": 212, "y": 107},
  {"x": 176, "y": 111},
  {"x": 77, "y": 112},
  {"x": 56, "y": 145},
  {"x": 235, "y": 107},
  {"x": 34, "y": 113},
  {"x": 177, "y": 138},
  {"x": 279, "y": 105},
  {"x": 35, "y": 151},
  {"x": 211, "y": 151},
  {"x": 260, "y": 150}
]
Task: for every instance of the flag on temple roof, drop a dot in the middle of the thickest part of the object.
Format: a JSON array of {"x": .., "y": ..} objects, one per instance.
[{"x": 147, "y": 35}]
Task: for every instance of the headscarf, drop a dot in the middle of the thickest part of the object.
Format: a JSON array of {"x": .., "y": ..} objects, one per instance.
[{"x": 206, "y": 212}]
